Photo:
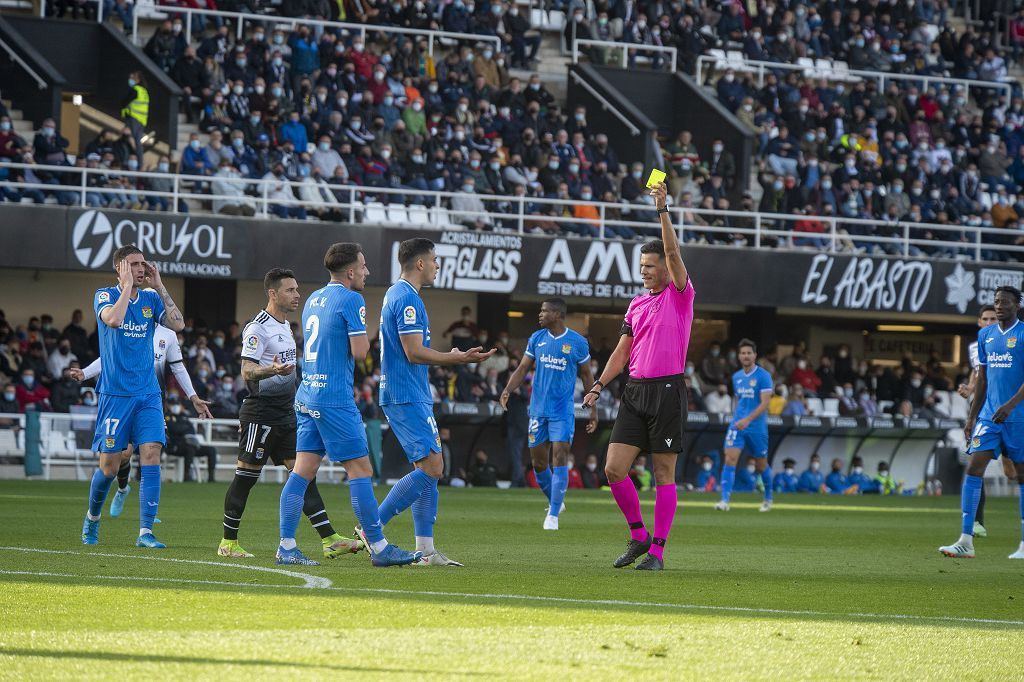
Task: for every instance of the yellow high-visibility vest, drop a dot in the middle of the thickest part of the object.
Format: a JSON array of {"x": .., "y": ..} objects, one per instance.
[{"x": 139, "y": 107}]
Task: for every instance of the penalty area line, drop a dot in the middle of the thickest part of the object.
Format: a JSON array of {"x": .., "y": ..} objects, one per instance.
[{"x": 325, "y": 584}]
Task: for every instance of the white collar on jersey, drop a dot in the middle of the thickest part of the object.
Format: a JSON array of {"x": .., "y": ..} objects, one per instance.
[
  {"x": 559, "y": 336},
  {"x": 339, "y": 284},
  {"x": 746, "y": 373},
  {"x": 1004, "y": 333},
  {"x": 131, "y": 300}
]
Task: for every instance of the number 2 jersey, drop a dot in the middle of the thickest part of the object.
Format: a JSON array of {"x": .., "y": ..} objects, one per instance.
[
  {"x": 331, "y": 315},
  {"x": 271, "y": 401},
  {"x": 556, "y": 360},
  {"x": 1001, "y": 353}
]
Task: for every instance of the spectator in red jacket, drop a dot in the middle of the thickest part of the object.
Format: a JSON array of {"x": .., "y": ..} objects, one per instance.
[
  {"x": 32, "y": 395},
  {"x": 575, "y": 480},
  {"x": 593, "y": 475},
  {"x": 806, "y": 377}
]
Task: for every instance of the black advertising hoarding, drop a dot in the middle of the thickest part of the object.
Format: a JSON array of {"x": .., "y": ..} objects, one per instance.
[{"x": 204, "y": 245}]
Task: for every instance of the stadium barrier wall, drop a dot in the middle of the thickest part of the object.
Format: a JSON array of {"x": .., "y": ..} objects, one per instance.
[
  {"x": 36, "y": 101},
  {"x": 213, "y": 246}
]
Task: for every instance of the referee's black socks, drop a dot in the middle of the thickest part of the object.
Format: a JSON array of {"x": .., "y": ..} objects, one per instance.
[
  {"x": 235, "y": 499},
  {"x": 313, "y": 508}
]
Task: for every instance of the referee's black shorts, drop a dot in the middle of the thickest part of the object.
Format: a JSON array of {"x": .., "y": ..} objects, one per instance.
[{"x": 652, "y": 415}]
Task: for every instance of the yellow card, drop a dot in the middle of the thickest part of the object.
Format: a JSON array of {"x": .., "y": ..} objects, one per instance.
[{"x": 657, "y": 176}]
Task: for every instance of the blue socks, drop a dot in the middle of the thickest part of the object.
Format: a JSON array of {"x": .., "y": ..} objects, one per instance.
[
  {"x": 98, "y": 489},
  {"x": 559, "y": 483},
  {"x": 405, "y": 492},
  {"x": 364, "y": 504},
  {"x": 424, "y": 510},
  {"x": 766, "y": 478},
  {"x": 969, "y": 498},
  {"x": 149, "y": 494},
  {"x": 728, "y": 479},
  {"x": 544, "y": 481},
  {"x": 292, "y": 498},
  {"x": 1021, "y": 512}
]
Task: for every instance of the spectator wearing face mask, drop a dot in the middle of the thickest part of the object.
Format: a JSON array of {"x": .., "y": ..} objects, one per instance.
[
  {"x": 225, "y": 400},
  {"x": 812, "y": 480},
  {"x": 786, "y": 481},
  {"x": 848, "y": 404},
  {"x": 866, "y": 485},
  {"x": 706, "y": 479},
  {"x": 913, "y": 389},
  {"x": 718, "y": 401},
  {"x": 640, "y": 474},
  {"x": 482, "y": 474},
  {"x": 885, "y": 483},
  {"x": 803, "y": 375},
  {"x": 183, "y": 442},
  {"x": 9, "y": 405},
  {"x": 592, "y": 475},
  {"x": 60, "y": 359},
  {"x": 66, "y": 392},
  {"x": 713, "y": 367},
  {"x": 746, "y": 479},
  {"x": 30, "y": 394},
  {"x": 837, "y": 482},
  {"x": 575, "y": 478}
]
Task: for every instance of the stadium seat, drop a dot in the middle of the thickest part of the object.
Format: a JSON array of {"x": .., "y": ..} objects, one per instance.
[
  {"x": 734, "y": 60},
  {"x": 823, "y": 68},
  {"x": 884, "y": 405},
  {"x": 830, "y": 407},
  {"x": 808, "y": 65},
  {"x": 419, "y": 215},
  {"x": 957, "y": 406},
  {"x": 555, "y": 21},
  {"x": 8, "y": 443},
  {"x": 721, "y": 62},
  {"x": 538, "y": 18},
  {"x": 815, "y": 406},
  {"x": 397, "y": 214},
  {"x": 374, "y": 212},
  {"x": 443, "y": 219}
]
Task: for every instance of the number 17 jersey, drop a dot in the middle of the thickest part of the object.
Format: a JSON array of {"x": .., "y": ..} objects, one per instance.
[{"x": 330, "y": 317}]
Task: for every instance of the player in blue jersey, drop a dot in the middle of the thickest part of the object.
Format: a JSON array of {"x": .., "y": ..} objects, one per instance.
[
  {"x": 995, "y": 424},
  {"x": 130, "y": 406},
  {"x": 752, "y": 391},
  {"x": 405, "y": 397},
  {"x": 327, "y": 421},
  {"x": 559, "y": 354}
]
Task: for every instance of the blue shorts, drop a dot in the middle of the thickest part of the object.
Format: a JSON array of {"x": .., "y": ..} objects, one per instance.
[
  {"x": 415, "y": 428},
  {"x": 754, "y": 443},
  {"x": 337, "y": 432},
  {"x": 123, "y": 419},
  {"x": 551, "y": 430},
  {"x": 1006, "y": 438}
]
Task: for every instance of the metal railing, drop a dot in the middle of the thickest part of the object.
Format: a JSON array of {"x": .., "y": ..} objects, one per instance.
[
  {"x": 21, "y": 62},
  {"x": 761, "y": 68},
  {"x": 623, "y": 49},
  {"x": 242, "y": 18},
  {"x": 514, "y": 214},
  {"x": 605, "y": 104}
]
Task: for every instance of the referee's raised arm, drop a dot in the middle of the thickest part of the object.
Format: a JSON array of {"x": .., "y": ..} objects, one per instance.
[{"x": 673, "y": 258}]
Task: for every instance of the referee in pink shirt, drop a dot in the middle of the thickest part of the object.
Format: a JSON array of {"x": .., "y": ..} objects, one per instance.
[{"x": 653, "y": 341}]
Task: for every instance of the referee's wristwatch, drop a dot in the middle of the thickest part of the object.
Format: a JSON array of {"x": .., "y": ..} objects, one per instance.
[{"x": 596, "y": 388}]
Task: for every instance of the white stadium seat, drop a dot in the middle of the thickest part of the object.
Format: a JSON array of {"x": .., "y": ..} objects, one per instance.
[
  {"x": 374, "y": 212},
  {"x": 397, "y": 214},
  {"x": 418, "y": 215}
]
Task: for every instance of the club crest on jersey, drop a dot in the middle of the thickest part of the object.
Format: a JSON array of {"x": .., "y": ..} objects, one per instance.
[
  {"x": 975, "y": 443},
  {"x": 252, "y": 342},
  {"x": 566, "y": 348},
  {"x": 147, "y": 311},
  {"x": 1011, "y": 342},
  {"x": 409, "y": 315},
  {"x": 362, "y": 315},
  {"x": 753, "y": 382},
  {"x": 110, "y": 442},
  {"x": 104, "y": 297},
  {"x": 162, "y": 344}
]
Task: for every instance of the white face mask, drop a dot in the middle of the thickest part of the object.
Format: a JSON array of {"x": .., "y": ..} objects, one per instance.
[
  {"x": 707, "y": 466},
  {"x": 858, "y": 470},
  {"x": 591, "y": 466},
  {"x": 789, "y": 471},
  {"x": 815, "y": 466},
  {"x": 751, "y": 470}
]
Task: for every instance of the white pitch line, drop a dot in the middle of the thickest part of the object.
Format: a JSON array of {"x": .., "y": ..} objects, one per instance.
[
  {"x": 310, "y": 581},
  {"x": 494, "y": 597}
]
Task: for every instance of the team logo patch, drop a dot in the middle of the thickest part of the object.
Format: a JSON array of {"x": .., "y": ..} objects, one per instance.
[
  {"x": 532, "y": 438},
  {"x": 753, "y": 382},
  {"x": 110, "y": 442},
  {"x": 252, "y": 342},
  {"x": 104, "y": 297},
  {"x": 147, "y": 311},
  {"x": 259, "y": 453},
  {"x": 362, "y": 315},
  {"x": 1011, "y": 342},
  {"x": 437, "y": 443},
  {"x": 566, "y": 348},
  {"x": 975, "y": 442},
  {"x": 409, "y": 315},
  {"x": 162, "y": 344}
]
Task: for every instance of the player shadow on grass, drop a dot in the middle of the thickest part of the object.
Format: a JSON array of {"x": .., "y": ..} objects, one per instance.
[{"x": 120, "y": 657}]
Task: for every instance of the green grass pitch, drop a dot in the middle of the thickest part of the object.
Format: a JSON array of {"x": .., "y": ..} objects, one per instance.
[{"x": 836, "y": 588}]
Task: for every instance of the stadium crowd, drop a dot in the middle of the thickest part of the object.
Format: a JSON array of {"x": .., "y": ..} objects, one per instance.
[
  {"x": 35, "y": 357},
  {"x": 325, "y": 109}
]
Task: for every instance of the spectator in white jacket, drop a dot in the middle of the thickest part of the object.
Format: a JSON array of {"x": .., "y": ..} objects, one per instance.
[
  {"x": 280, "y": 195},
  {"x": 228, "y": 188},
  {"x": 326, "y": 158},
  {"x": 468, "y": 209},
  {"x": 315, "y": 191}
]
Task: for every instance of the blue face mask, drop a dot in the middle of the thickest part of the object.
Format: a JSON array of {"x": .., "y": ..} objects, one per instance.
[
  {"x": 131, "y": 83},
  {"x": 194, "y": 144}
]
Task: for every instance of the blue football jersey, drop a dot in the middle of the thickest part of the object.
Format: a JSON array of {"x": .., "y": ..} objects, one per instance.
[
  {"x": 748, "y": 389},
  {"x": 403, "y": 313},
  {"x": 556, "y": 362},
  {"x": 331, "y": 315},
  {"x": 127, "y": 351},
  {"x": 1001, "y": 353}
]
